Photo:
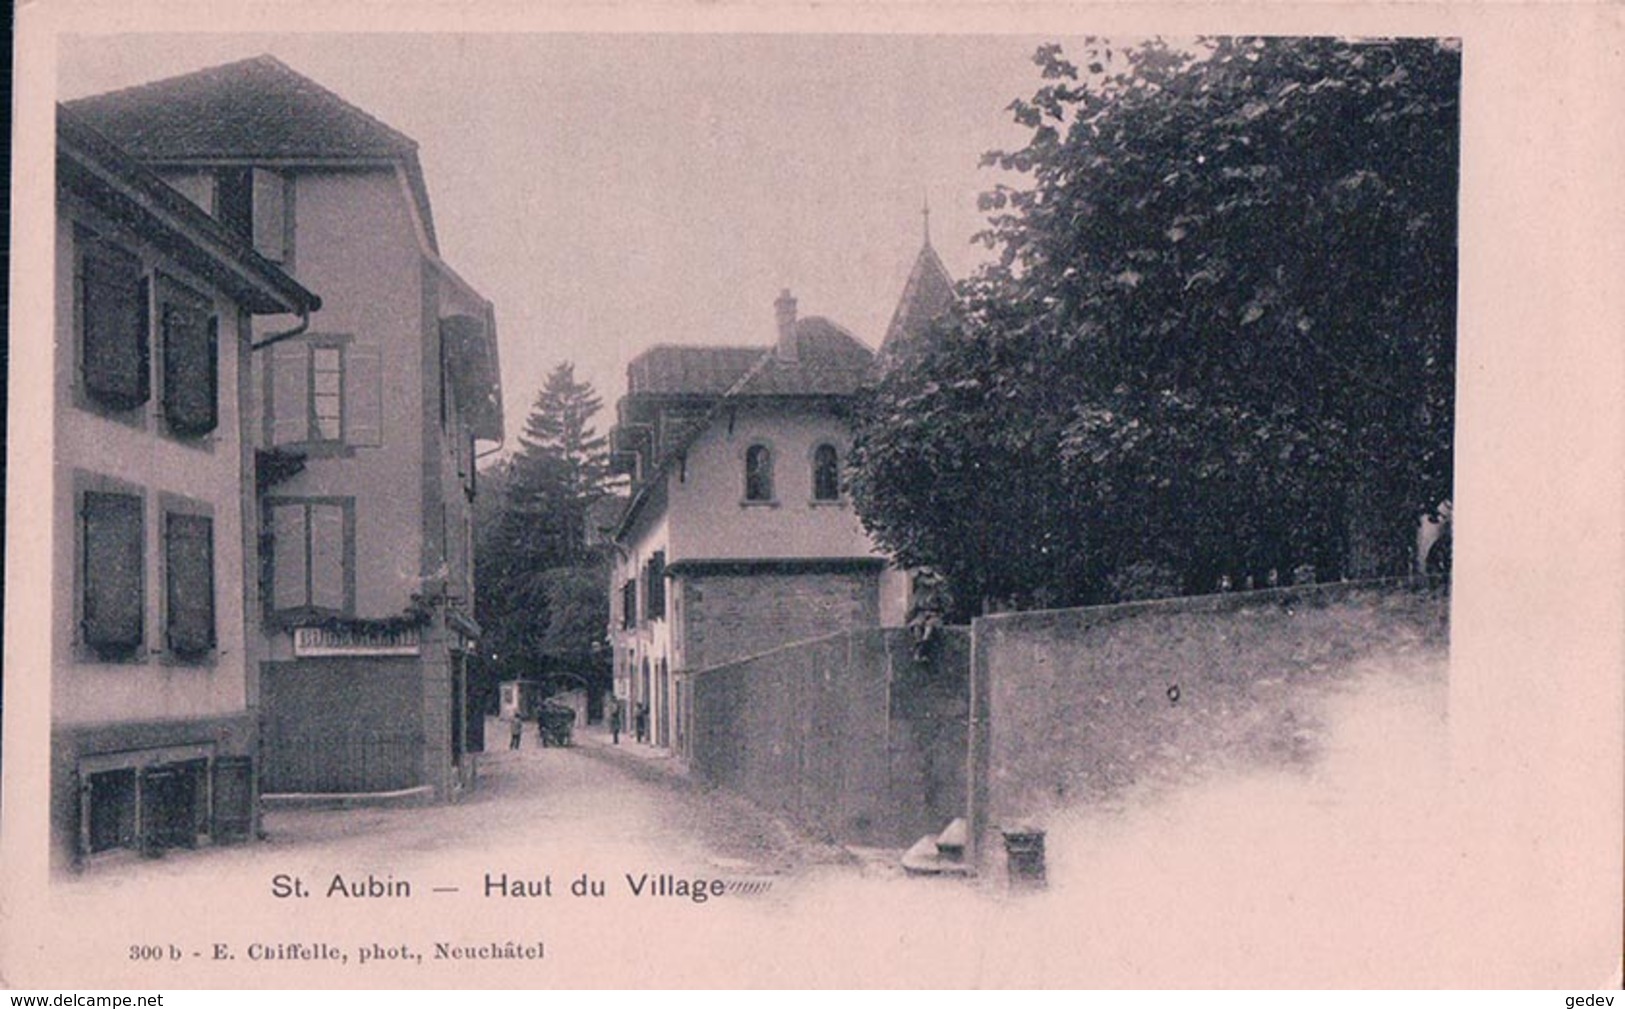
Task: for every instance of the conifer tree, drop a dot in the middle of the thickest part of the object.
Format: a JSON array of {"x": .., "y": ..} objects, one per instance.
[{"x": 539, "y": 577}]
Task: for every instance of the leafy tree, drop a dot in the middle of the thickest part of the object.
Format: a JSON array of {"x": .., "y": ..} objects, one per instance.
[
  {"x": 1218, "y": 340},
  {"x": 577, "y": 614}
]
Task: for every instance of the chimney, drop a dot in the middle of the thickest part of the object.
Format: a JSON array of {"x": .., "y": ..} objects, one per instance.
[{"x": 786, "y": 306}]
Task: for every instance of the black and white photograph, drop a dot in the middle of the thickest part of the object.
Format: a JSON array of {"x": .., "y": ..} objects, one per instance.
[{"x": 809, "y": 497}]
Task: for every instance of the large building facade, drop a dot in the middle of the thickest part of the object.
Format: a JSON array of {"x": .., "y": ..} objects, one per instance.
[
  {"x": 365, "y": 419},
  {"x": 739, "y": 536},
  {"x": 155, "y": 739}
]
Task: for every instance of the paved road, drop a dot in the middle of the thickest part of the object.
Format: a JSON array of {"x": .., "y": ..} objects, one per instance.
[
  {"x": 583, "y": 804},
  {"x": 1342, "y": 874},
  {"x": 535, "y": 812}
]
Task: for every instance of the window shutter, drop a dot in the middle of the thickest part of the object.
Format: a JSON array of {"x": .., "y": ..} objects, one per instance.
[
  {"x": 233, "y": 794},
  {"x": 290, "y": 395},
  {"x": 270, "y": 215},
  {"x": 189, "y": 568},
  {"x": 656, "y": 589},
  {"x": 109, "y": 816},
  {"x": 191, "y": 368},
  {"x": 113, "y": 347},
  {"x": 114, "y": 581},
  {"x": 234, "y": 200},
  {"x": 327, "y": 557},
  {"x": 629, "y": 600},
  {"x": 288, "y": 568},
  {"x": 363, "y": 396}
]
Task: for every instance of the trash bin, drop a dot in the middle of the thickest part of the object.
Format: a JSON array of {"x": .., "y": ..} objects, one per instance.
[{"x": 1024, "y": 855}]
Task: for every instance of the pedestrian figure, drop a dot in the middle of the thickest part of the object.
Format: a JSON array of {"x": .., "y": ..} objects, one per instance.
[
  {"x": 640, "y": 721},
  {"x": 516, "y": 728},
  {"x": 612, "y": 714}
]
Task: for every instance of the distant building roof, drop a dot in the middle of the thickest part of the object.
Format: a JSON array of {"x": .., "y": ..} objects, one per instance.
[
  {"x": 695, "y": 371},
  {"x": 829, "y": 362},
  {"x": 927, "y": 296},
  {"x": 603, "y": 515},
  {"x": 253, "y": 110},
  {"x": 825, "y": 361},
  {"x": 93, "y": 167}
]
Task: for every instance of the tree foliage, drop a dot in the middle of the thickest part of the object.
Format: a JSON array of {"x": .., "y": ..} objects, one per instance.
[
  {"x": 542, "y": 595},
  {"x": 1217, "y": 340}
]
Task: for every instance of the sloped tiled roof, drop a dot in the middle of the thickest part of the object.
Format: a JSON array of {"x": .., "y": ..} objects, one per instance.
[
  {"x": 927, "y": 296},
  {"x": 829, "y": 362},
  {"x": 97, "y": 170},
  {"x": 253, "y": 110},
  {"x": 695, "y": 371},
  {"x": 603, "y": 514}
]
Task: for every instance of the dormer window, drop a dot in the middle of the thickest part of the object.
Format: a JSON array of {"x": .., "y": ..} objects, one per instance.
[
  {"x": 826, "y": 474},
  {"x": 758, "y": 473},
  {"x": 254, "y": 203}
]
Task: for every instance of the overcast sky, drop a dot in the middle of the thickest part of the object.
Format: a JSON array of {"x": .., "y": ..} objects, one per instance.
[{"x": 610, "y": 192}]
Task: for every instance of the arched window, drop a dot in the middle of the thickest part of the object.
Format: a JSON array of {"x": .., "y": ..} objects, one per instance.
[
  {"x": 826, "y": 474},
  {"x": 758, "y": 473}
]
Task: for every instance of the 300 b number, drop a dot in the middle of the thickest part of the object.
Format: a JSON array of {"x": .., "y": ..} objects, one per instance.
[{"x": 170, "y": 952}]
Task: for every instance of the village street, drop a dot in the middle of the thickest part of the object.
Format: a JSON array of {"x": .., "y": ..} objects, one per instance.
[
  {"x": 534, "y": 812},
  {"x": 1294, "y": 875},
  {"x": 496, "y": 866},
  {"x": 622, "y": 806}
]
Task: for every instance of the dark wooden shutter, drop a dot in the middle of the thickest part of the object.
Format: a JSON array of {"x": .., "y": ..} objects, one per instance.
[
  {"x": 233, "y": 798},
  {"x": 108, "y": 811},
  {"x": 189, "y": 564},
  {"x": 114, "y": 559},
  {"x": 234, "y": 200},
  {"x": 656, "y": 590},
  {"x": 169, "y": 795},
  {"x": 191, "y": 368},
  {"x": 114, "y": 352}
]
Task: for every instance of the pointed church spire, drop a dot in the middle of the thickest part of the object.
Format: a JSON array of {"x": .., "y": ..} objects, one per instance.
[{"x": 928, "y": 293}]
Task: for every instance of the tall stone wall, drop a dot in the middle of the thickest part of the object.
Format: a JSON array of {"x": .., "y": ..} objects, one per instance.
[
  {"x": 1075, "y": 706},
  {"x": 848, "y": 736},
  {"x": 728, "y": 616}
]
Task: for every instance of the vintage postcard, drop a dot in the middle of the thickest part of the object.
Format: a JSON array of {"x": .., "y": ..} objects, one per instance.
[{"x": 814, "y": 495}]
